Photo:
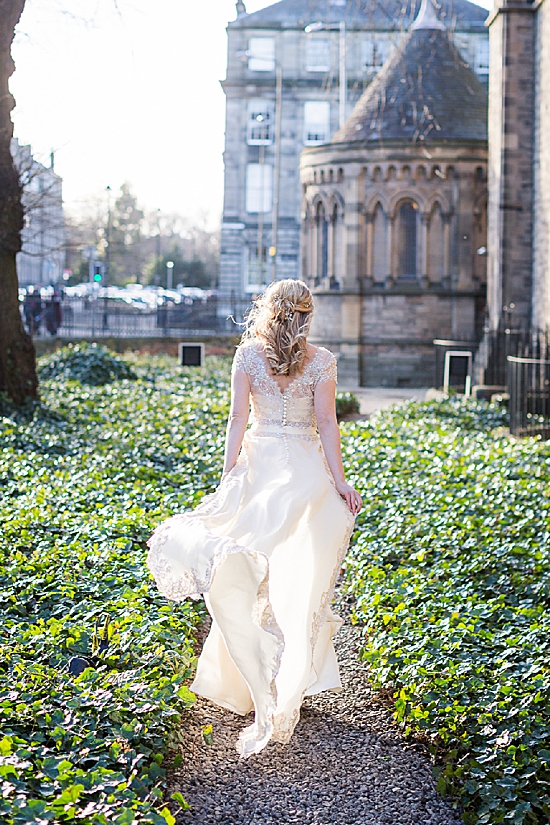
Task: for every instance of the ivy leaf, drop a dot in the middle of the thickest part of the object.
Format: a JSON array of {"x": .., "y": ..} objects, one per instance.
[
  {"x": 171, "y": 820},
  {"x": 178, "y": 797}
]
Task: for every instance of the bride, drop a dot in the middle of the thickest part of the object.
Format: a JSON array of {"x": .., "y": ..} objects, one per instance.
[{"x": 265, "y": 549}]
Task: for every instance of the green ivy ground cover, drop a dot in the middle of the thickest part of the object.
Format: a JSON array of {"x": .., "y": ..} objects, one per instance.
[
  {"x": 83, "y": 480},
  {"x": 450, "y": 567}
]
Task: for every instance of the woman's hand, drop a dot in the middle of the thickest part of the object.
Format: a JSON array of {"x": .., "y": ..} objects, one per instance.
[{"x": 352, "y": 497}]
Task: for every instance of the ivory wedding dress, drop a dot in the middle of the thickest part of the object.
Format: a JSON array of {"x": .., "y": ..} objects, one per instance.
[{"x": 265, "y": 550}]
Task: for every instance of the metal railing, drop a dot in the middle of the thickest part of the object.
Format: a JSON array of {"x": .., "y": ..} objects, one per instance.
[
  {"x": 106, "y": 318},
  {"x": 516, "y": 342},
  {"x": 516, "y": 360},
  {"x": 528, "y": 382}
]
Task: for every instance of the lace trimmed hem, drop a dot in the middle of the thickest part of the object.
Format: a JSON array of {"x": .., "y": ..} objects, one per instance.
[
  {"x": 191, "y": 583},
  {"x": 284, "y": 727}
]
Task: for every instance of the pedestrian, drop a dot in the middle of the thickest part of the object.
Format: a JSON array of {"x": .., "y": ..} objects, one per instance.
[
  {"x": 266, "y": 548},
  {"x": 53, "y": 313},
  {"x": 32, "y": 310}
]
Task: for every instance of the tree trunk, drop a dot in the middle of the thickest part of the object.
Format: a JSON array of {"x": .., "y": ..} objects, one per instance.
[{"x": 17, "y": 356}]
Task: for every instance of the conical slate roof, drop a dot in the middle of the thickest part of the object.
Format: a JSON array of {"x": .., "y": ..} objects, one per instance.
[
  {"x": 361, "y": 14},
  {"x": 424, "y": 92}
]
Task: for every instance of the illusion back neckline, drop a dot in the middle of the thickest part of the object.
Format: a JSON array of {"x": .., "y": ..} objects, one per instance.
[{"x": 271, "y": 377}]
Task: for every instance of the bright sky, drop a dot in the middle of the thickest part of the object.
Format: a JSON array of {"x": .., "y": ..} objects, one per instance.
[{"x": 128, "y": 90}]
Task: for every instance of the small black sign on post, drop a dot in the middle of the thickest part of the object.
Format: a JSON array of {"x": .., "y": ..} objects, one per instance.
[{"x": 191, "y": 355}]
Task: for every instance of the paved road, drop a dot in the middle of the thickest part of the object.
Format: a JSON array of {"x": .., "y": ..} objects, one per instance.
[{"x": 372, "y": 399}]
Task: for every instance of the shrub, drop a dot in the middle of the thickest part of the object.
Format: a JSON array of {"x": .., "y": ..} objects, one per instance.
[
  {"x": 450, "y": 568},
  {"x": 346, "y": 404},
  {"x": 84, "y": 478},
  {"x": 88, "y": 363}
]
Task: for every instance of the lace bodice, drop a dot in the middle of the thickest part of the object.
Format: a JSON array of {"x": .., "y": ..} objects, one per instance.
[{"x": 293, "y": 406}]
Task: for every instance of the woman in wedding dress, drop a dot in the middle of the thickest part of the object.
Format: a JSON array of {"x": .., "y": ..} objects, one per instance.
[{"x": 265, "y": 549}]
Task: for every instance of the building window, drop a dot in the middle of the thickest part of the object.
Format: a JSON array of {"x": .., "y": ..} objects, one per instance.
[
  {"x": 406, "y": 240},
  {"x": 316, "y": 122},
  {"x": 259, "y": 130},
  {"x": 317, "y": 55},
  {"x": 259, "y": 187},
  {"x": 261, "y": 54},
  {"x": 481, "y": 65},
  {"x": 374, "y": 53},
  {"x": 256, "y": 269}
]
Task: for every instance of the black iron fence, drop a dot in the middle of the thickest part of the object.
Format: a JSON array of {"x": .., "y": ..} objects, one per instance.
[
  {"x": 512, "y": 360},
  {"x": 529, "y": 389},
  {"x": 512, "y": 342},
  {"x": 97, "y": 317}
]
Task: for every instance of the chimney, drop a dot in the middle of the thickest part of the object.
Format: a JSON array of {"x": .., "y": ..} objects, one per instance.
[{"x": 241, "y": 8}]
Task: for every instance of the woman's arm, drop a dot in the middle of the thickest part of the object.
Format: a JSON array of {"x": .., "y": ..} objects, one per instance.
[
  {"x": 238, "y": 419},
  {"x": 325, "y": 412}
]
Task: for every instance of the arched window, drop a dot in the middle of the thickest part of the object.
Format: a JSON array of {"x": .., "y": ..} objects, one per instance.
[
  {"x": 380, "y": 264},
  {"x": 407, "y": 220},
  {"x": 322, "y": 241}
]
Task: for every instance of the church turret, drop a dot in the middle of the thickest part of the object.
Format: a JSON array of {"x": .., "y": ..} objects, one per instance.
[
  {"x": 427, "y": 18},
  {"x": 425, "y": 91},
  {"x": 395, "y": 214}
]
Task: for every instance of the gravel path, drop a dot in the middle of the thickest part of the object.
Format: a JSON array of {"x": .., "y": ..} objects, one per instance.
[{"x": 347, "y": 763}]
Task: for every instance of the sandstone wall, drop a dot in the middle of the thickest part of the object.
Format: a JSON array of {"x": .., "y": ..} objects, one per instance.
[{"x": 541, "y": 267}]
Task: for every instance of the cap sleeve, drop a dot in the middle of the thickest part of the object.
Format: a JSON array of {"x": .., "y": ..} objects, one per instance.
[
  {"x": 240, "y": 360},
  {"x": 327, "y": 370}
]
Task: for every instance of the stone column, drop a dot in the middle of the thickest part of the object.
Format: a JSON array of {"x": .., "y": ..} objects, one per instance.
[
  {"x": 541, "y": 268},
  {"x": 332, "y": 230},
  {"x": 369, "y": 253},
  {"x": 390, "y": 257},
  {"x": 511, "y": 144},
  {"x": 351, "y": 240},
  {"x": 423, "y": 250},
  {"x": 446, "y": 281}
]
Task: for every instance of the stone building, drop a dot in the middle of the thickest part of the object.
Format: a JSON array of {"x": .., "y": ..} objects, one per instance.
[
  {"x": 42, "y": 258},
  {"x": 394, "y": 215},
  {"x": 346, "y": 44},
  {"x": 519, "y": 163}
]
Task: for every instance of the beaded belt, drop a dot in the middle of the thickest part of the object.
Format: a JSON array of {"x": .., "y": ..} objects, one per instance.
[{"x": 284, "y": 431}]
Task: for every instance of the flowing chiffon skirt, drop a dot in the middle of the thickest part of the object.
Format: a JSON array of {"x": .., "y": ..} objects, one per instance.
[{"x": 265, "y": 549}]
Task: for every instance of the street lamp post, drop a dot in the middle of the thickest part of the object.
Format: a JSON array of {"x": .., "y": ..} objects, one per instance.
[
  {"x": 158, "y": 264},
  {"x": 169, "y": 274},
  {"x": 106, "y": 273},
  {"x": 277, "y": 170},
  {"x": 342, "y": 74},
  {"x": 343, "y": 82},
  {"x": 245, "y": 55}
]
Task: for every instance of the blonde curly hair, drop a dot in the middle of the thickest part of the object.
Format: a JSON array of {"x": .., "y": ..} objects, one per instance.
[{"x": 280, "y": 319}]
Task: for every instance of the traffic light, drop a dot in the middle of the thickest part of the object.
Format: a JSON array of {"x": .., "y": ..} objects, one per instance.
[{"x": 98, "y": 273}]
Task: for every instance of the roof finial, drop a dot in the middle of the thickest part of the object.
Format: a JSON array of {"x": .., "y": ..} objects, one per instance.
[
  {"x": 427, "y": 17},
  {"x": 241, "y": 8}
]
